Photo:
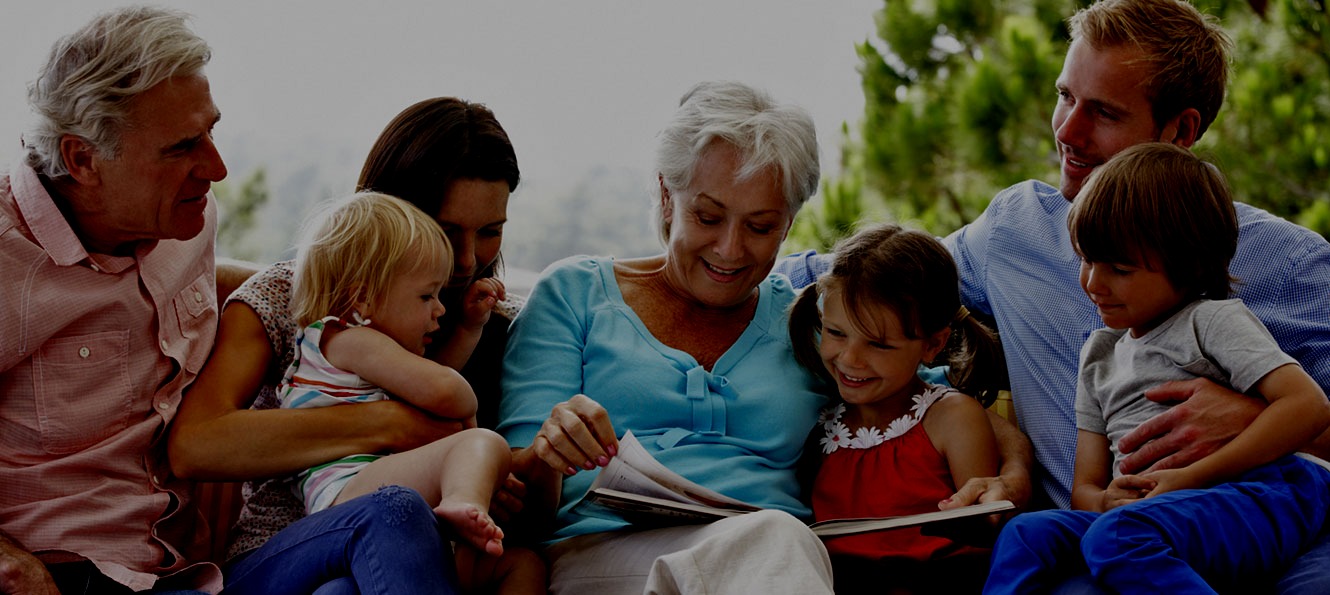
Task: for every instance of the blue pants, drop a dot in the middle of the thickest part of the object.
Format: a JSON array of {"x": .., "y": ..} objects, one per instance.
[
  {"x": 380, "y": 543},
  {"x": 1239, "y": 535}
]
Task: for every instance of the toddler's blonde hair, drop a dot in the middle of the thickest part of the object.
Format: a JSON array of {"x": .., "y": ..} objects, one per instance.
[{"x": 353, "y": 249}]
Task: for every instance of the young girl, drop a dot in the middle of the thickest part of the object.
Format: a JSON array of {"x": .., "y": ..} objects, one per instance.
[
  {"x": 366, "y": 295},
  {"x": 1155, "y": 229},
  {"x": 896, "y": 444}
]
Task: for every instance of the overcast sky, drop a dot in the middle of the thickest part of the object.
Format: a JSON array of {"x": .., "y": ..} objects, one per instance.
[{"x": 576, "y": 83}]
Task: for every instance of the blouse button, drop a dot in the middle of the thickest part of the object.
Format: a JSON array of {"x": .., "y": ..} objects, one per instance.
[
  {"x": 84, "y": 352},
  {"x": 198, "y": 298},
  {"x": 163, "y": 406},
  {"x": 163, "y": 344}
]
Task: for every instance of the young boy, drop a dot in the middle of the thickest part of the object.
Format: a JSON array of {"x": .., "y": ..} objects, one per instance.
[{"x": 1155, "y": 229}]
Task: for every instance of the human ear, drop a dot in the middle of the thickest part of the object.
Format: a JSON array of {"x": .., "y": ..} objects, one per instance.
[
  {"x": 362, "y": 309},
  {"x": 80, "y": 159},
  {"x": 933, "y": 344},
  {"x": 666, "y": 205},
  {"x": 1183, "y": 129}
]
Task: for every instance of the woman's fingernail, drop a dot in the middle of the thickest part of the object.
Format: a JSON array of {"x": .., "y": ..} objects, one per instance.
[
  {"x": 613, "y": 450},
  {"x": 602, "y": 460},
  {"x": 588, "y": 465},
  {"x": 570, "y": 471}
]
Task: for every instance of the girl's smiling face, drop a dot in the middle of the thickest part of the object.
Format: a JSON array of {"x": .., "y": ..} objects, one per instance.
[{"x": 875, "y": 366}]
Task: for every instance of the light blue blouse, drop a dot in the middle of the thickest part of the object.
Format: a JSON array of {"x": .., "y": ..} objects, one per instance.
[{"x": 737, "y": 429}]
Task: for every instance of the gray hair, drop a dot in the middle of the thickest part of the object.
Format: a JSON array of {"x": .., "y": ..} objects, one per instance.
[
  {"x": 765, "y": 133},
  {"x": 90, "y": 79}
]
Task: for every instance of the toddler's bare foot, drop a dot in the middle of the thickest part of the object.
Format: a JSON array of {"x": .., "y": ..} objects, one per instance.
[{"x": 473, "y": 525}]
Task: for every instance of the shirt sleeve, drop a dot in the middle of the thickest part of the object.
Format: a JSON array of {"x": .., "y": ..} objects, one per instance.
[
  {"x": 1236, "y": 341},
  {"x": 803, "y": 268},
  {"x": 969, "y": 248},
  {"x": 1299, "y": 314},
  {"x": 542, "y": 365}
]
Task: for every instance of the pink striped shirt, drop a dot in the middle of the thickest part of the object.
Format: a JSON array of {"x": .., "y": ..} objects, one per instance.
[{"x": 94, "y": 353}]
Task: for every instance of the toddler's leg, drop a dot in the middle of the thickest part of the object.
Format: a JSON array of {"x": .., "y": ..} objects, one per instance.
[
  {"x": 1037, "y": 550},
  {"x": 458, "y": 474}
]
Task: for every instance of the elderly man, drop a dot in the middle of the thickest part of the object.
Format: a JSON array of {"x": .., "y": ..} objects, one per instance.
[{"x": 107, "y": 309}]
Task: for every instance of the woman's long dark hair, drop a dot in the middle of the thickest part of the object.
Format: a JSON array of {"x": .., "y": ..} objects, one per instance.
[{"x": 432, "y": 144}]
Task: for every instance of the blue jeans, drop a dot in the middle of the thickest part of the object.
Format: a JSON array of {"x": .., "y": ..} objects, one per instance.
[
  {"x": 1309, "y": 575},
  {"x": 1235, "y": 535},
  {"x": 380, "y": 543}
]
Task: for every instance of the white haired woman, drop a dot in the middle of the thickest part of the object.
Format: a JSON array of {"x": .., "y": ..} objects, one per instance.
[{"x": 688, "y": 350}]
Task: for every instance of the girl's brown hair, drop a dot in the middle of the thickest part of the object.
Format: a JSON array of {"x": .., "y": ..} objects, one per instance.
[{"x": 910, "y": 272}]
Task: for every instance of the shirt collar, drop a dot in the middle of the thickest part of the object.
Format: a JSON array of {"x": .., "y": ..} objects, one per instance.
[{"x": 50, "y": 228}]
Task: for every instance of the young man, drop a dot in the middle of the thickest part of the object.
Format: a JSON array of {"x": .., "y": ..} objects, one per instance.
[{"x": 1136, "y": 71}]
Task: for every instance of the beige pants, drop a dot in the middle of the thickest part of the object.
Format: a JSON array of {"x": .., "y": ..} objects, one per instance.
[{"x": 767, "y": 552}]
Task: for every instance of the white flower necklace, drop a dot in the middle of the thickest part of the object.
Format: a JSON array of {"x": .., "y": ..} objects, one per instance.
[{"x": 837, "y": 434}]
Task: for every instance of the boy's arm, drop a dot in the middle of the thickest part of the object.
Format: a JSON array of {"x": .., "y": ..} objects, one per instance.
[
  {"x": 378, "y": 359},
  {"x": 1094, "y": 469},
  {"x": 1297, "y": 414}
]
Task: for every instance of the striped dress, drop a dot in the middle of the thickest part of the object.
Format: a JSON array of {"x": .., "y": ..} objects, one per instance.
[{"x": 311, "y": 381}]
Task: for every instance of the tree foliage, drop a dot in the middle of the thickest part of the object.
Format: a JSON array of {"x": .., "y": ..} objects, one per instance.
[
  {"x": 959, "y": 97},
  {"x": 237, "y": 209}
]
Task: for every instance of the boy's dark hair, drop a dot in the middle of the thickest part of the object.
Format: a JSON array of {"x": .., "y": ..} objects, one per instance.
[{"x": 1157, "y": 204}]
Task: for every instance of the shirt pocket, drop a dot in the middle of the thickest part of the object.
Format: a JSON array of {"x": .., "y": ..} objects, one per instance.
[
  {"x": 196, "y": 315},
  {"x": 83, "y": 390}
]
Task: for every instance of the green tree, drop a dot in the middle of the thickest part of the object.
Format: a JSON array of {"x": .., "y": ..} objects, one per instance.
[
  {"x": 959, "y": 97},
  {"x": 237, "y": 209}
]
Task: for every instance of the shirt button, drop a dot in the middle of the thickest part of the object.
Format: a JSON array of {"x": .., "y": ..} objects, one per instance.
[
  {"x": 198, "y": 297},
  {"x": 95, "y": 268},
  {"x": 163, "y": 344},
  {"x": 84, "y": 352},
  {"x": 163, "y": 405}
]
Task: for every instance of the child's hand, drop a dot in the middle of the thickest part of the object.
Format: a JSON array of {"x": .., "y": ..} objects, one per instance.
[
  {"x": 1170, "y": 480},
  {"x": 479, "y": 301},
  {"x": 1125, "y": 490}
]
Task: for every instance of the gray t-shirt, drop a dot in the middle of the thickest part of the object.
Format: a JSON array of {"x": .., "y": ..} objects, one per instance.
[{"x": 1216, "y": 339}]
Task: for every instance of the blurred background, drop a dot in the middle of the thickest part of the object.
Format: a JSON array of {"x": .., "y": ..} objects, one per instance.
[{"x": 925, "y": 108}]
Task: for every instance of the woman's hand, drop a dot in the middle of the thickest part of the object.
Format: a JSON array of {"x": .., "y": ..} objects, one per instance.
[{"x": 577, "y": 434}]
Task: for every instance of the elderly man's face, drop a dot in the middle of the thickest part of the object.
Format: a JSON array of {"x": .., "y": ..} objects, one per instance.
[{"x": 156, "y": 187}]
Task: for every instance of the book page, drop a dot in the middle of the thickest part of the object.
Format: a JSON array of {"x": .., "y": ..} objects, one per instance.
[
  {"x": 635, "y": 471},
  {"x": 646, "y": 510}
]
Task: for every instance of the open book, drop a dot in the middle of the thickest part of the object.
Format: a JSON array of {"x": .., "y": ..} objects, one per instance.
[{"x": 637, "y": 488}]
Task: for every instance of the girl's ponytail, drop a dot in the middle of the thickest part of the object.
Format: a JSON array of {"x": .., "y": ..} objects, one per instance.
[
  {"x": 977, "y": 367},
  {"x": 805, "y": 324}
]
